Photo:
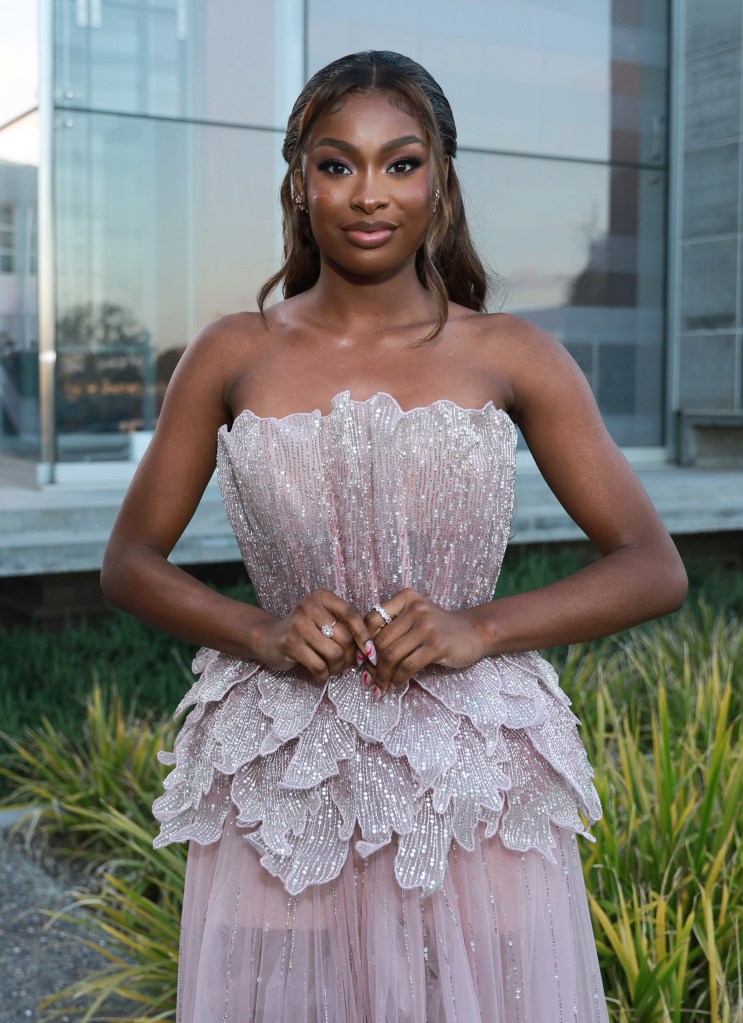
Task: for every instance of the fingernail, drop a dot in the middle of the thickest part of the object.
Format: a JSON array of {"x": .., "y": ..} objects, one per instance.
[
  {"x": 359, "y": 656},
  {"x": 371, "y": 651},
  {"x": 366, "y": 679},
  {"x": 376, "y": 694}
]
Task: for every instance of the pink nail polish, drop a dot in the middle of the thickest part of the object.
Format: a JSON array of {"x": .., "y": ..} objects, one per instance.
[
  {"x": 376, "y": 694},
  {"x": 366, "y": 679},
  {"x": 371, "y": 652},
  {"x": 359, "y": 656}
]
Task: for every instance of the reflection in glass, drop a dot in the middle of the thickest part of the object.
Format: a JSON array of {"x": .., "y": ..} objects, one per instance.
[
  {"x": 161, "y": 227},
  {"x": 576, "y": 78},
  {"x": 19, "y": 298},
  {"x": 188, "y": 59},
  {"x": 580, "y": 248}
]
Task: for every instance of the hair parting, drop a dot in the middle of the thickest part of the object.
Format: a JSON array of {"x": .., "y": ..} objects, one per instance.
[{"x": 447, "y": 263}]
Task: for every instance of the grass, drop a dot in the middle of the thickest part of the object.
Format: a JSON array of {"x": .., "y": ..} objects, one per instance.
[{"x": 662, "y": 713}]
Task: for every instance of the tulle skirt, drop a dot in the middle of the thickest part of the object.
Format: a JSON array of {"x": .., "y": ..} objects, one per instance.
[{"x": 507, "y": 940}]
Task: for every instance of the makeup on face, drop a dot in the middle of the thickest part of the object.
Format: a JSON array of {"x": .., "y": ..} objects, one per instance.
[{"x": 368, "y": 176}]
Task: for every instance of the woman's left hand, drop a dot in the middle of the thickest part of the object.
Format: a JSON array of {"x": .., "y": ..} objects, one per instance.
[{"x": 420, "y": 633}]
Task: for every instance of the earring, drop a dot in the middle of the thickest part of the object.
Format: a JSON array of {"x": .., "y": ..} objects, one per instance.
[
  {"x": 436, "y": 197},
  {"x": 299, "y": 201}
]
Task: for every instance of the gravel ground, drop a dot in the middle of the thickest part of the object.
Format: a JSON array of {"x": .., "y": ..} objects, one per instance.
[{"x": 37, "y": 958}]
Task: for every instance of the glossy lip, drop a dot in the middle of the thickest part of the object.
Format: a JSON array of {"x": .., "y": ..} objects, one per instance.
[{"x": 369, "y": 234}]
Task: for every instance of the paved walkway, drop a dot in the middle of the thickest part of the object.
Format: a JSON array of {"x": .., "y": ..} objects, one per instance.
[{"x": 38, "y": 957}]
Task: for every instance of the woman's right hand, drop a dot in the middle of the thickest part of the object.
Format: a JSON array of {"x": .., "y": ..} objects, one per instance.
[{"x": 283, "y": 643}]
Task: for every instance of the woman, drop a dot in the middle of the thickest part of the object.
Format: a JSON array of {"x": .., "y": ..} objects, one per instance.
[{"x": 381, "y": 781}]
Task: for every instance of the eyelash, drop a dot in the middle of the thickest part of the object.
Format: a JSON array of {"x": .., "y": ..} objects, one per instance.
[{"x": 411, "y": 162}]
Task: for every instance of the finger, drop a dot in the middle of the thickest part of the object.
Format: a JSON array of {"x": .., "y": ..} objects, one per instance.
[
  {"x": 321, "y": 654},
  {"x": 409, "y": 663},
  {"x": 344, "y": 655},
  {"x": 390, "y": 658},
  {"x": 375, "y": 620},
  {"x": 313, "y": 662},
  {"x": 352, "y": 619},
  {"x": 334, "y": 653},
  {"x": 392, "y": 607}
]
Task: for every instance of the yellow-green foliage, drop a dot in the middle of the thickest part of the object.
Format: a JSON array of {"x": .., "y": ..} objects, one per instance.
[
  {"x": 662, "y": 723},
  {"x": 663, "y": 728}
]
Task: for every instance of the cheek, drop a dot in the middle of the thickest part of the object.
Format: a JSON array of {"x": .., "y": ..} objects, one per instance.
[
  {"x": 322, "y": 188},
  {"x": 418, "y": 203}
]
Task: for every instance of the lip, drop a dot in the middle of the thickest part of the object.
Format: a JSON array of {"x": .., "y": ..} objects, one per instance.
[{"x": 369, "y": 234}]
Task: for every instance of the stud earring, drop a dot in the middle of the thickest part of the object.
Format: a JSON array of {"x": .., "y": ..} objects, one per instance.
[
  {"x": 299, "y": 201},
  {"x": 436, "y": 197}
]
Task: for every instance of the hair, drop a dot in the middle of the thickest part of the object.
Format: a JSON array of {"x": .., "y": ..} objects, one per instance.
[{"x": 447, "y": 263}]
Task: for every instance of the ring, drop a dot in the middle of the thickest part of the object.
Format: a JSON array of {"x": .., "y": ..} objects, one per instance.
[
  {"x": 327, "y": 630},
  {"x": 382, "y": 613}
]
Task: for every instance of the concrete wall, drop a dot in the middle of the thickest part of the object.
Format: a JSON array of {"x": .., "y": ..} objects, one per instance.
[{"x": 710, "y": 318}]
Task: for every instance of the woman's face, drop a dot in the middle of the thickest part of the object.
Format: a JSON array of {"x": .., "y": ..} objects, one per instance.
[{"x": 368, "y": 182}]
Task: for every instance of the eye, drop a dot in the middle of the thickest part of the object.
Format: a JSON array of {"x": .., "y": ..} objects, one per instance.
[
  {"x": 405, "y": 165},
  {"x": 333, "y": 167}
]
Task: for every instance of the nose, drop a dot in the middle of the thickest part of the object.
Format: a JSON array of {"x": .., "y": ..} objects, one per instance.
[{"x": 369, "y": 194}]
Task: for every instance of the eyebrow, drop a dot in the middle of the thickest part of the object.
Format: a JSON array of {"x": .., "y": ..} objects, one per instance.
[{"x": 347, "y": 147}]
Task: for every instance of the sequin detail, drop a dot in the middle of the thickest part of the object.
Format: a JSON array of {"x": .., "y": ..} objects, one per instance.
[{"x": 365, "y": 501}]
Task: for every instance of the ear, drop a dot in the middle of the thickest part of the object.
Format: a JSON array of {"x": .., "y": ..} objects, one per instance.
[{"x": 298, "y": 182}]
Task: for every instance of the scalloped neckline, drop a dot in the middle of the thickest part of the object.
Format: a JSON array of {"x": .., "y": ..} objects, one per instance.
[{"x": 346, "y": 394}]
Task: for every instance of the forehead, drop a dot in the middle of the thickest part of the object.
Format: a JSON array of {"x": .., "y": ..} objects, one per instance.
[{"x": 371, "y": 115}]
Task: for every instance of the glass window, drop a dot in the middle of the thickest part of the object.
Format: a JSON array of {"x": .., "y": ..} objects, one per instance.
[
  {"x": 580, "y": 249},
  {"x": 561, "y": 113},
  {"x": 19, "y": 320},
  {"x": 580, "y": 78},
  {"x": 188, "y": 58},
  {"x": 161, "y": 227}
]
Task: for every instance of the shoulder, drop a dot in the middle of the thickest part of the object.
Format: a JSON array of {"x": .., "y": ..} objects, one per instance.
[
  {"x": 222, "y": 348},
  {"x": 235, "y": 331},
  {"x": 503, "y": 333},
  {"x": 529, "y": 361},
  {"x": 508, "y": 334}
]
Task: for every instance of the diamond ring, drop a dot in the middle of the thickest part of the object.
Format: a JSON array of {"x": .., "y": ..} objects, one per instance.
[
  {"x": 382, "y": 613},
  {"x": 327, "y": 630}
]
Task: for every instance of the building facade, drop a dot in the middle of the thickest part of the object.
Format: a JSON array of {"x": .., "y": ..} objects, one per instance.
[{"x": 600, "y": 151}]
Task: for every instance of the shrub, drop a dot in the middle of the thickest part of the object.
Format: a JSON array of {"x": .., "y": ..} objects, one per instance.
[{"x": 662, "y": 724}]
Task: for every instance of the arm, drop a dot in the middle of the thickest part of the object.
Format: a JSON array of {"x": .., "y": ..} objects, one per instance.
[
  {"x": 639, "y": 575},
  {"x": 163, "y": 496}
]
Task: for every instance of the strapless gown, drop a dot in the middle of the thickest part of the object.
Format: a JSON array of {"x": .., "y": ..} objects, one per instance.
[{"x": 413, "y": 859}]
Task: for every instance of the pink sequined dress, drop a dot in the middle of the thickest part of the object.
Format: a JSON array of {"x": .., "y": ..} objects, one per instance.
[{"x": 410, "y": 860}]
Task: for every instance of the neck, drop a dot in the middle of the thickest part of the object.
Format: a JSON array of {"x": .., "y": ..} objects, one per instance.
[{"x": 357, "y": 305}]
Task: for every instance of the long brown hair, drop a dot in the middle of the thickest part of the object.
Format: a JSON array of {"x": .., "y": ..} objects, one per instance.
[{"x": 447, "y": 263}]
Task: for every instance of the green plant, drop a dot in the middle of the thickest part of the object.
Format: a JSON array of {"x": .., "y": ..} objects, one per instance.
[
  {"x": 139, "y": 916},
  {"x": 663, "y": 725},
  {"x": 111, "y": 768},
  {"x": 667, "y": 738}
]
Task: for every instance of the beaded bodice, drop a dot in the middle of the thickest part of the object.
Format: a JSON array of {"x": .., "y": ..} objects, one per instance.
[
  {"x": 370, "y": 499},
  {"x": 365, "y": 501}
]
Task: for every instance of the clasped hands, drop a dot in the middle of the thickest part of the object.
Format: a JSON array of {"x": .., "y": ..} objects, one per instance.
[{"x": 327, "y": 635}]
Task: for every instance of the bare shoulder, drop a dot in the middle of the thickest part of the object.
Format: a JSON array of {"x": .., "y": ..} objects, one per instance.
[
  {"x": 218, "y": 355},
  {"x": 516, "y": 339},
  {"x": 232, "y": 334},
  {"x": 522, "y": 357},
  {"x": 538, "y": 369}
]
